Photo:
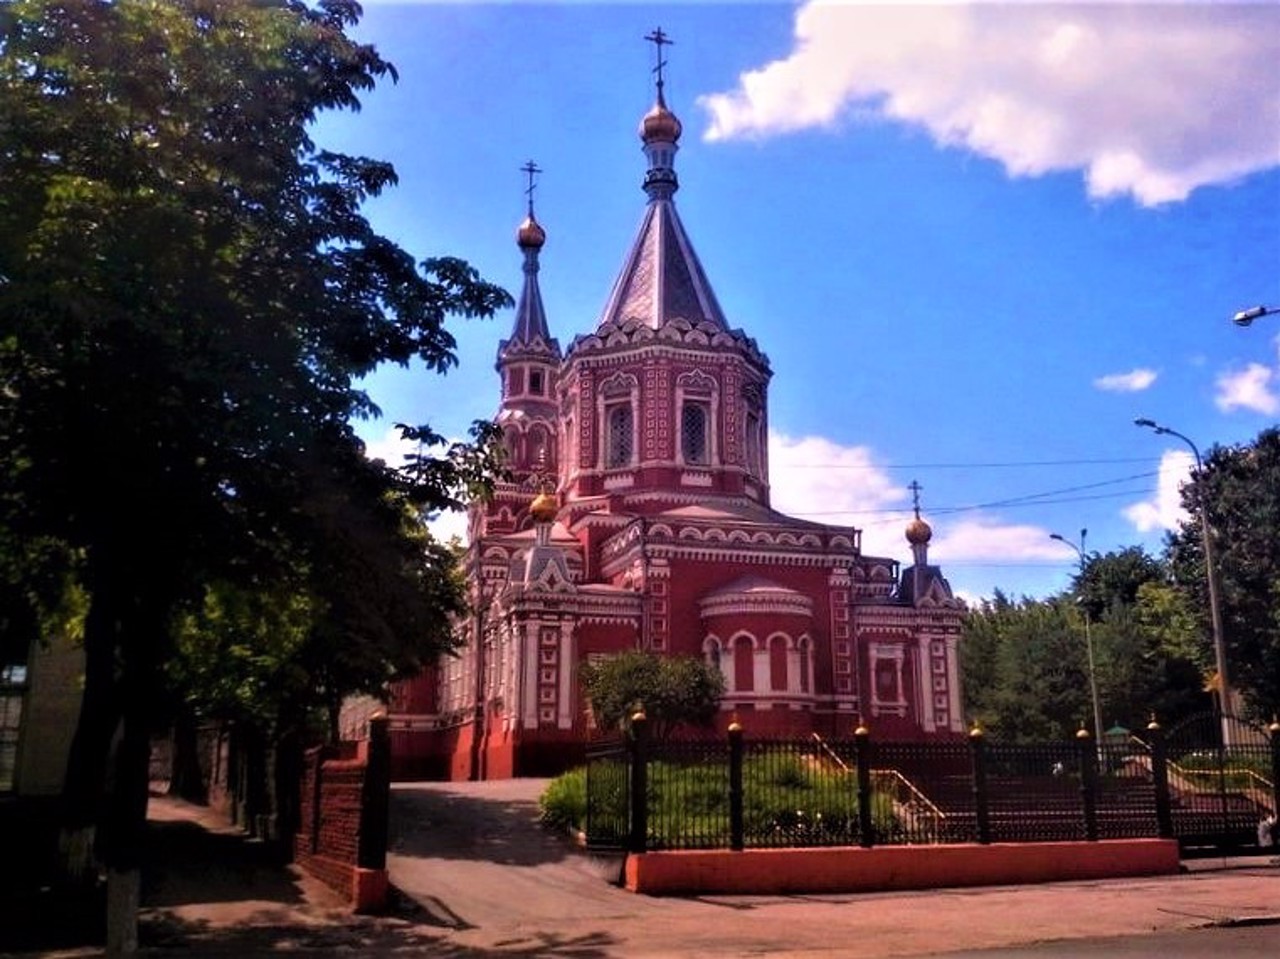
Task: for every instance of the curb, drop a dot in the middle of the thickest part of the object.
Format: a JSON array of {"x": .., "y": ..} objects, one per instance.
[{"x": 1243, "y": 922}]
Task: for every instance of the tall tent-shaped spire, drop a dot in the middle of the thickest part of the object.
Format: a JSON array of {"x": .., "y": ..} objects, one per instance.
[
  {"x": 530, "y": 332},
  {"x": 661, "y": 279},
  {"x": 529, "y": 363}
]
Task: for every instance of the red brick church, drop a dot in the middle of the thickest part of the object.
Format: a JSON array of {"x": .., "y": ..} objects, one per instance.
[{"x": 651, "y": 428}]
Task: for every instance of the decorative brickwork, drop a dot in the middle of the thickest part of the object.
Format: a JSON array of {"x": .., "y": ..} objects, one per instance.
[{"x": 342, "y": 834}]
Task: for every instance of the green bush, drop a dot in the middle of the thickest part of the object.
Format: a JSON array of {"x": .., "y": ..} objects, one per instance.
[{"x": 563, "y": 804}]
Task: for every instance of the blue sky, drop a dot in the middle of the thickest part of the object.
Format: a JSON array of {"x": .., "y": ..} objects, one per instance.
[{"x": 976, "y": 241}]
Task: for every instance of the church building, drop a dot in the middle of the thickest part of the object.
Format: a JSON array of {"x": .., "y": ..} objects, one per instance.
[{"x": 637, "y": 516}]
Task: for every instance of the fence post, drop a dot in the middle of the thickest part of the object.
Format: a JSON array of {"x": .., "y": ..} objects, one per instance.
[
  {"x": 375, "y": 797},
  {"x": 639, "y": 782},
  {"x": 1160, "y": 777},
  {"x": 1274, "y": 730},
  {"x": 982, "y": 814},
  {"x": 862, "y": 747},
  {"x": 736, "y": 838},
  {"x": 1088, "y": 782},
  {"x": 317, "y": 795}
]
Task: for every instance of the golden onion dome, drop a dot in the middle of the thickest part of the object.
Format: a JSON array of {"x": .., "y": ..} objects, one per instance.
[
  {"x": 919, "y": 532},
  {"x": 530, "y": 235},
  {"x": 544, "y": 508},
  {"x": 660, "y": 124}
]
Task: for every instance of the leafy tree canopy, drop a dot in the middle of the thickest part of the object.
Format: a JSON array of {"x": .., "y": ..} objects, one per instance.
[
  {"x": 1241, "y": 490},
  {"x": 189, "y": 298},
  {"x": 672, "y": 690}
]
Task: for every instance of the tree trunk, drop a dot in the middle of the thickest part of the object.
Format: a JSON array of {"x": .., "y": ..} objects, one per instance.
[
  {"x": 84, "y": 783},
  {"x": 187, "y": 779},
  {"x": 288, "y": 780},
  {"x": 122, "y": 836}
]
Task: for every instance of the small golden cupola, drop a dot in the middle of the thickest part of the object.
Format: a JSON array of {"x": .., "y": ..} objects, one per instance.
[
  {"x": 660, "y": 124},
  {"x": 659, "y": 131},
  {"x": 919, "y": 532},
  {"x": 530, "y": 235},
  {"x": 544, "y": 508}
]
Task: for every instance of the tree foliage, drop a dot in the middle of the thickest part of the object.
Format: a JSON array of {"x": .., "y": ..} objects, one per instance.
[
  {"x": 1241, "y": 490},
  {"x": 1025, "y": 664},
  {"x": 672, "y": 691},
  {"x": 189, "y": 296}
]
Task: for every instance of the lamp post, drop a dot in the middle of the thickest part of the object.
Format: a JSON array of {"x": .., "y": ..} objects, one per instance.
[
  {"x": 1246, "y": 317},
  {"x": 1088, "y": 640},
  {"x": 1215, "y": 610}
]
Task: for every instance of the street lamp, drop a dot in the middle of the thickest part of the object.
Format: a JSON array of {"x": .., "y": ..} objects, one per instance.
[
  {"x": 1215, "y": 611},
  {"x": 1088, "y": 638},
  {"x": 1245, "y": 317}
]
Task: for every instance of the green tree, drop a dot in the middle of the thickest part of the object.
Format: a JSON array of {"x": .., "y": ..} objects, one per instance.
[
  {"x": 1025, "y": 664},
  {"x": 1113, "y": 579},
  {"x": 1241, "y": 490},
  {"x": 189, "y": 295},
  {"x": 672, "y": 690}
]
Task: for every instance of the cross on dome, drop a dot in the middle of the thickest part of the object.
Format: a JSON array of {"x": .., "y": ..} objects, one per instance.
[
  {"x": 530, "y": 236},
  {"x": 659, "y": 39}
]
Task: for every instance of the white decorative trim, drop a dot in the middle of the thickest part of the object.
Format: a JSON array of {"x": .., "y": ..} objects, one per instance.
[{"x": 693, "y": 479}]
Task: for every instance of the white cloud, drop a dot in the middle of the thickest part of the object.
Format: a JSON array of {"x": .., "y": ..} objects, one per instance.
[
  {"x": 389, "y": 448},
  {"x": 1135, "y": 381},
  {"x": 814, "y": 478},
  {"x": 1248, "y": 389},
  {"x": 392, "y": 450},
  {"x": 987, "y": 539},
  {"x": 1148, "y": 100},
  {"x": 1164, "y": 511}
]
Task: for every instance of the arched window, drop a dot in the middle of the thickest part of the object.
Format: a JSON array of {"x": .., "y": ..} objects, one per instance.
[
  {"x": 694, "y": 445},
  {"x": 511, "y": 443},
  {"x": 540, "y": 458},
  {"x": 744, "y": 664},
  {"x": 778, "y": 664},
  {"x": 620, "y": 439}
]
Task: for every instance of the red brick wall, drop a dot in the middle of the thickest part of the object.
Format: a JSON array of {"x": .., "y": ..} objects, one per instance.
[{"x": 328, "y": 840}]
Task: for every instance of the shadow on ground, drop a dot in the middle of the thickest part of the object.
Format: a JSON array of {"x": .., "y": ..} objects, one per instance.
[
  {"x": 368, "y": 937},
  {"x": 439, "y": 824},
  {"x": 187, "y": 863}
]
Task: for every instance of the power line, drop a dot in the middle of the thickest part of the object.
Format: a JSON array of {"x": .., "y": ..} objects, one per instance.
[
  {"x": 959, "y": 466},
  {"x": 1047, "y": 498}
]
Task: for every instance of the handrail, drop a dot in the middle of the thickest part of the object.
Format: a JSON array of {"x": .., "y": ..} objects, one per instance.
[
  {"x": 830, "y": 752},
  {"x": 917, "y": 797}
]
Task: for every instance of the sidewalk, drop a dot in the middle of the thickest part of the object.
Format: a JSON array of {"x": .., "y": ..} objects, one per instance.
[{"x": 212, "y": 892}]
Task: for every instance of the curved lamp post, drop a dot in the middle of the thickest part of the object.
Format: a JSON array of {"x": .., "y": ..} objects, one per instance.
[
  {"x": 1215, "y": 611},
  {"x": 1245, "y": 317},
  {"x": 1088, "y": 640}
]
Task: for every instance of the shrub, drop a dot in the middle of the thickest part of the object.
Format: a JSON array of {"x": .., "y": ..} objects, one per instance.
[{"x": 563, "y": 804}]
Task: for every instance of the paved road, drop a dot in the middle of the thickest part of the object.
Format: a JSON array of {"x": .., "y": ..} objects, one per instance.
[{"x": 479, "y": 869}]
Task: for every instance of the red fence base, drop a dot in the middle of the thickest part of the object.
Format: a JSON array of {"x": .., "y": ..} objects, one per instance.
[{"x": 885, "y": 868}]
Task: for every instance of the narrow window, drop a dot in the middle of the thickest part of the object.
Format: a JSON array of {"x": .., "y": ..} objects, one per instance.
[
  {"x": 754, "y": 463},
  {"x": 778, "y": 664},
  {"x": 535, "y": 382},
  {"x": 620, "y": 439},
  {"x": 693, "y": 433}
]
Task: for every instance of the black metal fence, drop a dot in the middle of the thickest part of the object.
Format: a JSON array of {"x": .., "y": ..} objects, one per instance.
[{"x": 732, "y": 792}]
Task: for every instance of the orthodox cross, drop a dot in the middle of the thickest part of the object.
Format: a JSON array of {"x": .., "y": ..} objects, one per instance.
[
  {"x": 659, "y": 40},
  {"x": 915, "y": 496},
  {"x": 530, "y": 169}
]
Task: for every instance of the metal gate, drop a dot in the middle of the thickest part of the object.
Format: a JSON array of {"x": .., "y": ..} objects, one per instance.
[{"x": 1223, "y": 790}]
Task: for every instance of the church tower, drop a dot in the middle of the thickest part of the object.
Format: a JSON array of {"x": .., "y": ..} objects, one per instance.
[
  {"x": 663, "y": 397},
  {"x": 527, "y": 363},
  {"x": 636, "y": 515}
]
